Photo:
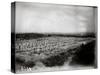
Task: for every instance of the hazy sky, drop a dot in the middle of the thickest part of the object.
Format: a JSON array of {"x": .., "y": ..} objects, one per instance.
[{"x": 48, "y": 18}]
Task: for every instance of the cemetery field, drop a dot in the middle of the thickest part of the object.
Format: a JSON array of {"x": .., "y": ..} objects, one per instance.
[{"x": 53, "y": 51}]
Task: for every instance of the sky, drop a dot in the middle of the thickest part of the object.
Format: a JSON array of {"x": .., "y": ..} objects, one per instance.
[{"x": 54, "y": 18}]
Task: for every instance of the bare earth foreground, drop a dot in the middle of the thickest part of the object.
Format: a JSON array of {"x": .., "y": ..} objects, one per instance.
[{"x": 54, "y": 53}]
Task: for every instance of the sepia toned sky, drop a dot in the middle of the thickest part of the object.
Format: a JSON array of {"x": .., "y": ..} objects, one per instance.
[{"x": 49, "y": 18}]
